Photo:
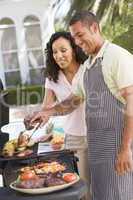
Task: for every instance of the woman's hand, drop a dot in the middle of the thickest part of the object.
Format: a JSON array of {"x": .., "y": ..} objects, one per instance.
[{"x": 124, "y": 162}]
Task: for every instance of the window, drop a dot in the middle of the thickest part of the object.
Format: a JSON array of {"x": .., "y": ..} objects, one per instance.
[
  {"x": 9, "y": 52},
  {"x": 34, "y": 48}
]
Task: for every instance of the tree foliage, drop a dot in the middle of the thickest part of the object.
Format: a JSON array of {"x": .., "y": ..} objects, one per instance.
[{"x": 116, "y": 17}]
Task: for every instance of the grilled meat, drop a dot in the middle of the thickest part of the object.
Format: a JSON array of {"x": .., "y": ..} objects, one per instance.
[
  {"x": 53, "y": 180},
  {"x": 23, "y": 140},
  {"x": 31, "y": 183}
]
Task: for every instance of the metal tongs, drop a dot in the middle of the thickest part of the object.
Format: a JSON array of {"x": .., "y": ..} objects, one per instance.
[{"x": 35, "y": 129}]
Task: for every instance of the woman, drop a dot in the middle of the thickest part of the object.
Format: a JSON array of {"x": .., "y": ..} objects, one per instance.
[{"x": 63, "y": 60}]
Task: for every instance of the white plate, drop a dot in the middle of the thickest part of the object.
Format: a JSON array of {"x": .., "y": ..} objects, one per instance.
[
  {"x": 44, "y": 190},
  {"x": 14, "y": 129}
]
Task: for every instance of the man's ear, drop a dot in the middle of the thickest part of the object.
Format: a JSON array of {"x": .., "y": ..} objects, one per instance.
[{"x": 94, "y": 27}]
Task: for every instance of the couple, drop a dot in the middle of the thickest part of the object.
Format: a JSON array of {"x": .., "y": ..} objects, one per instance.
[{"x": 105, "y": 83}]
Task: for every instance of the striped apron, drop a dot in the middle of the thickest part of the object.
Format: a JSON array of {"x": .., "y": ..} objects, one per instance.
[{"x": 105, "y": 123}]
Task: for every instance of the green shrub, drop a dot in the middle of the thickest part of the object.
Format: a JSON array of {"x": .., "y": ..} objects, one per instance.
[{"x": 125, "y": 40}]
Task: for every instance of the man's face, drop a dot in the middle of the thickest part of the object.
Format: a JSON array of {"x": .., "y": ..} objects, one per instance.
[{"x": 84, "y": 36}]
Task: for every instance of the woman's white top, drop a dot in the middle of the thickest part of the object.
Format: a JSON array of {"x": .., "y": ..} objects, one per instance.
[{"x": 74, "y": 122}]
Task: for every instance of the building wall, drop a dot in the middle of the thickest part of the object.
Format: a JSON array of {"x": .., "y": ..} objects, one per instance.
[{"x": 17, "y": 11}]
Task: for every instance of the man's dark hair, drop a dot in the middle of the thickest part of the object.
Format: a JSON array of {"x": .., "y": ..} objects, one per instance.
[{"x": 85, "y": 17}]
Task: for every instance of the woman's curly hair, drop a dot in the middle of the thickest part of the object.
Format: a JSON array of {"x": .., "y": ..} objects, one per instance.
[{"x": 52, "y": 68}]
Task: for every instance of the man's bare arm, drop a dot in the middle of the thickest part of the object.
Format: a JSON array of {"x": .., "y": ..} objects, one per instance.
[
  {"x": 65, "y": 107},
  {"x": 128, "y": 126},
  {"x": 124, "y": 160}
]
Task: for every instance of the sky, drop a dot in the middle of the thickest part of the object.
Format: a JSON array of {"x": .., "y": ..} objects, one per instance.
[{"x": 64, "y": 8}]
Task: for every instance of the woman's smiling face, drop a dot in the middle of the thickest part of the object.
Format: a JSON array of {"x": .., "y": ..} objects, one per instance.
[{"x": 62, "y": 52}]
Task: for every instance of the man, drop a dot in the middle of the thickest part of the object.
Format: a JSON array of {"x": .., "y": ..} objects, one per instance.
[{"x": 106, "y": 84}]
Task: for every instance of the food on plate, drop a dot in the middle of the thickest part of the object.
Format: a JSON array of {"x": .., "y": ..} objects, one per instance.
[
  {"x": 30, "y": 183},
  {"x": 57, "y": 142},
  {"x": 51, "y": 167},
  {"x": 44, "y": 174},
  {"x": 49, "y": 180},
  {"x": 18, "y": 147},
  {"x": 57, "y": 139},
  {"x": 28, "y": 174},
  {"x": 45, "y": 167},
  {"x": 69, "y": 177},
  {"x": 23, "y": 169},
  {"x": 38, "y": 182},
  {"x": 9, "y": 148},
  {"x": 23, "y": 139},
  {"x": 56, "y": 146},
  {"x": 53, "y": 180}
]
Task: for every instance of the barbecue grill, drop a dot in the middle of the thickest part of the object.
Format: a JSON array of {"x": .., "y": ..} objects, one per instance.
[{"x": 12, "y": 165}]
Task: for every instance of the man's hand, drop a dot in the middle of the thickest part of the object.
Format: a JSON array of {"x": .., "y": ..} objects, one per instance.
[
  {"x": 41, "y": 117},
  {"x": 27, "y": 121},
  {"x": 124, "y": 162}
]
